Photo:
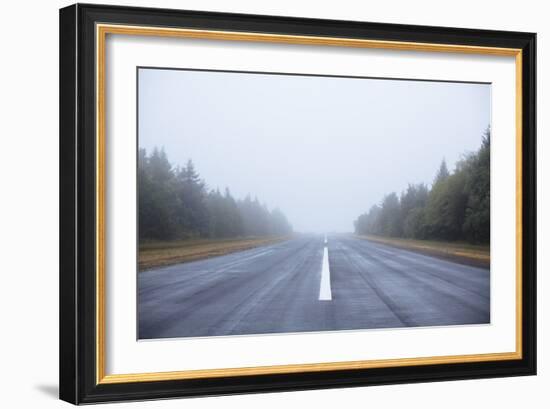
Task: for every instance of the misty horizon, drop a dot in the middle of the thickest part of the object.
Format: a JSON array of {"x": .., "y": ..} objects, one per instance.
[{"x": 323, "y": 150}]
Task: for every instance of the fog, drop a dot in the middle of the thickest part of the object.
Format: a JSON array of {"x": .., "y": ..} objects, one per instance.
[{"x": 323, "y": 150}]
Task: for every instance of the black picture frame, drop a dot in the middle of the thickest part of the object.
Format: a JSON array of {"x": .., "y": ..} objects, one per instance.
[{"x": 78, "y": 301}]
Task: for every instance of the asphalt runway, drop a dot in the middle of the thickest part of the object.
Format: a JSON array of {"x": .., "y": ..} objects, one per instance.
[{"x": 305, "y": 284}]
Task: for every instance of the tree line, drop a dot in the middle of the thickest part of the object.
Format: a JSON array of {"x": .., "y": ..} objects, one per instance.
[
  {"x": 456, "y": 207},
  {"x": 175, "y": 203}
]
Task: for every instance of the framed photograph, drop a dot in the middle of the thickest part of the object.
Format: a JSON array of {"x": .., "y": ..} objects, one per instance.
[{"x": 256, "y": 203}]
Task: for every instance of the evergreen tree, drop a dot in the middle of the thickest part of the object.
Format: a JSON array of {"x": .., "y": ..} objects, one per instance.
[
  {"x": 390, "y": 216},
  {"x": 161, "y": 203},
  {"x": 279, "y": 225},
  {"x": 232, "y": 216},
  {"x": 415, "y": 224},
  {"x": 193, "y": 211},
  {"x": 476, "y": 225},
  {"x": 145, "y": 196},
  {"x": 442, "y": 173},
  {"x": 445, "y": 209}
]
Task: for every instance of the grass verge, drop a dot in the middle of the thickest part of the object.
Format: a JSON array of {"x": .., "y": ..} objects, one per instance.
[
  {"x": 164, "y": 253},
  {"x": 465, "y": 253}
]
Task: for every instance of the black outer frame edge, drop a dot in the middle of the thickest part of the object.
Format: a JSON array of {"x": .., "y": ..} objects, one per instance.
[
  {"x": 77, "y": 287},
  {"x": 305, "y": 26},
  {"x": 529, "y": 199},
  {"x": 67, "y": 207}
]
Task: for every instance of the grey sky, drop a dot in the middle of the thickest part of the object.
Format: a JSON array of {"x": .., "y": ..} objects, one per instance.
[{"x": 322, "y": 149}]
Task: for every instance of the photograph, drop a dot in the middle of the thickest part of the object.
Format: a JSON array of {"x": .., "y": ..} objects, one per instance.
[
  {"x": 259, "y": 203},
  {"x": 274, "y": 203}
]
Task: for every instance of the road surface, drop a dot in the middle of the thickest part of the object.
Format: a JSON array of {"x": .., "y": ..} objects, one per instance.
[{"x": 304, "y": 284}]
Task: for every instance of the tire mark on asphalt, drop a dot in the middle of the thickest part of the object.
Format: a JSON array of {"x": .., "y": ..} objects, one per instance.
[
  {"x": 413, "y": 277},
  {"x": 385, "y": 298},
  {"x": 425, "y": 269}
]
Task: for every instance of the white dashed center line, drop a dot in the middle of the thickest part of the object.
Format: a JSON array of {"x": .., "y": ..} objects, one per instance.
[{"x": 325, "y": 292}]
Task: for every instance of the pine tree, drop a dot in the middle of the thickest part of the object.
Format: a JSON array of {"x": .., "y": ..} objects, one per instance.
[
  {"x": 442, "y": 173},
  {"x": 476, "y": 225}
]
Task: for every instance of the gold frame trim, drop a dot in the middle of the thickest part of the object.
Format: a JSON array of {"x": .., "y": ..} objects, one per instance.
[{"x": 101, "y": 32}]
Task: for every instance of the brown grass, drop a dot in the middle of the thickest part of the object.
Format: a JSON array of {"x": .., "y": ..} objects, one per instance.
[
  {"x": 472, "y": 254},
  {"x": 164, "y": 253}
]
